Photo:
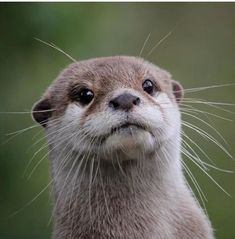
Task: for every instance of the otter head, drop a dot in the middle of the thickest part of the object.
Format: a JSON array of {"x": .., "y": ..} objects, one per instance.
[{"x": 109, "y": 106}]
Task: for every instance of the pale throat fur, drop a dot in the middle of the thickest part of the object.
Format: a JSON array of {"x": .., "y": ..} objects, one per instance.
[{"x": 113, "y": 128}]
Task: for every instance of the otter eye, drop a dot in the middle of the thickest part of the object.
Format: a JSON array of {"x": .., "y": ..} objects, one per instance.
[
  {"x": 148, "y": 86},
  {"x": 83, "y": 96}
]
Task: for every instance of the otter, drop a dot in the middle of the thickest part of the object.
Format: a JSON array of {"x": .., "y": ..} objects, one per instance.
[{"x": 113, "y": 130}]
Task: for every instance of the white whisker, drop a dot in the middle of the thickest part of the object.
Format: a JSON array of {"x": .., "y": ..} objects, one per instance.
[{"x": 56, "y": 48}]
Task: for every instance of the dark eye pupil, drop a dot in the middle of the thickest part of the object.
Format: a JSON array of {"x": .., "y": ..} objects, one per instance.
[
  {"x": 86, "y": 96},
  {"x": 148, "y": 86}
]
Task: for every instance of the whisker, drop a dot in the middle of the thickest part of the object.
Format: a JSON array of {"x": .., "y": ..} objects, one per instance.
[
  {"x": 208, "y": 175},
  {"x": 204, "y": 163},
  {"x": 90, "y": 184},
  {"x": 211, "y": 104},
  {"x": 56, "y": 48},
  {"x": 206, "y": 135},
  {"x": 197, "y": 158},
  {"x": 160, "y": 42},
  {"x": 200, "y": 149},
  {"x": 65, "y": 181},
  {"x": 45, "y": 145},
  {"x": 201, "y": 101},
  {"x": 50, "y": 134},
  {"x": 32, "y": 200},
  {"x": 25, "y": 112},
  {"x": 103, "y": 191},
  {"x": 145, "y": 42},
  {"x": 216, "y": 168},
  {"x": 196, "y": 184},
  {"x": 210, "y": 126},
  {"x": 18, "y": 132},
  {"x": 37, "y": 164},
  {"x": 192, "y": 90},
  {"x": 205, "y": 113},
  {"x": 194, "y": 181},
  {"x": 22, "y": 130}
]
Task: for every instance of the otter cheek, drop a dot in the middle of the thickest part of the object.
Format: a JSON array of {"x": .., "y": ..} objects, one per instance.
[{"x": 72, "y": 114}]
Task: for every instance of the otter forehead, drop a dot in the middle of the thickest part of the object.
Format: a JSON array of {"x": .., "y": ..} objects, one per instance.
[
  {"x": 119, "y": 68},
  {"x": 106, "y": 74}
]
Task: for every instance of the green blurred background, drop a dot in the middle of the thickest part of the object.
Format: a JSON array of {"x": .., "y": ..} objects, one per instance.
[{"x": 199, "y": 52}]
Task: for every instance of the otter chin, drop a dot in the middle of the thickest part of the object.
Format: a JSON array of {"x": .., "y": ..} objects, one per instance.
[
  {"x": 131, "y": 140},
  {"x": 113, "y": 127}
]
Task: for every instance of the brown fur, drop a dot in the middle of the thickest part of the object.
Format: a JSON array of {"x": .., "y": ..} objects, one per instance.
[
  {"x": 103, "y": 75},
  {"x": 148, "y": 198}
]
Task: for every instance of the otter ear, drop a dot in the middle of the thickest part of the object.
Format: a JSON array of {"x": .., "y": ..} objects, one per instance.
[
  {"x": 42, "y": 111},
  {"x": 177, "y": 90}
]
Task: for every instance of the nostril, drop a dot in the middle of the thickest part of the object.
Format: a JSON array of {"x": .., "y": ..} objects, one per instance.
[
  {"x": 113, "y": 104},
  {"x": 136, "y": 101},
  {"x": 124, "y": 102}
]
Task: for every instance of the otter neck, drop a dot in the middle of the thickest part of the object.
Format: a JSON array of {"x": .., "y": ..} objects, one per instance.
[
  {"x": 156, "y": 169},
  {"x": 112, "y": 194}
]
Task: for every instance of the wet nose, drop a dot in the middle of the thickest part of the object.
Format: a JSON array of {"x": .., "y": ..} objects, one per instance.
[{"x": 124, "y": 102}]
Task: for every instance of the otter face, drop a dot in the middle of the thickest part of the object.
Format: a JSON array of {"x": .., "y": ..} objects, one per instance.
[{"x": 111, "y": 105}]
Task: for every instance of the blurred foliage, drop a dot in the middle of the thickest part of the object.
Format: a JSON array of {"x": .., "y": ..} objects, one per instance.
[{"x": 199, "y": 52}]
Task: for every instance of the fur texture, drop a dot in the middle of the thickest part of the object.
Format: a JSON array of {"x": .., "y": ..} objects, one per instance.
[{"x": 121, "y": 184}]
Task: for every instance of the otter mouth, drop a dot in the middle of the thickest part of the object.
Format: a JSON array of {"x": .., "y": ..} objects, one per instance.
[{"x": 127, "y": 127}]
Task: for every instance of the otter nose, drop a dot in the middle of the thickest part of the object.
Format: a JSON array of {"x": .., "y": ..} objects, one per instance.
[{"x": 124, "y": 102}]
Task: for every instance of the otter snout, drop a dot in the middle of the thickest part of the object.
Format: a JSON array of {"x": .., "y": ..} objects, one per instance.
[{"x": 125, "y": 101}]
